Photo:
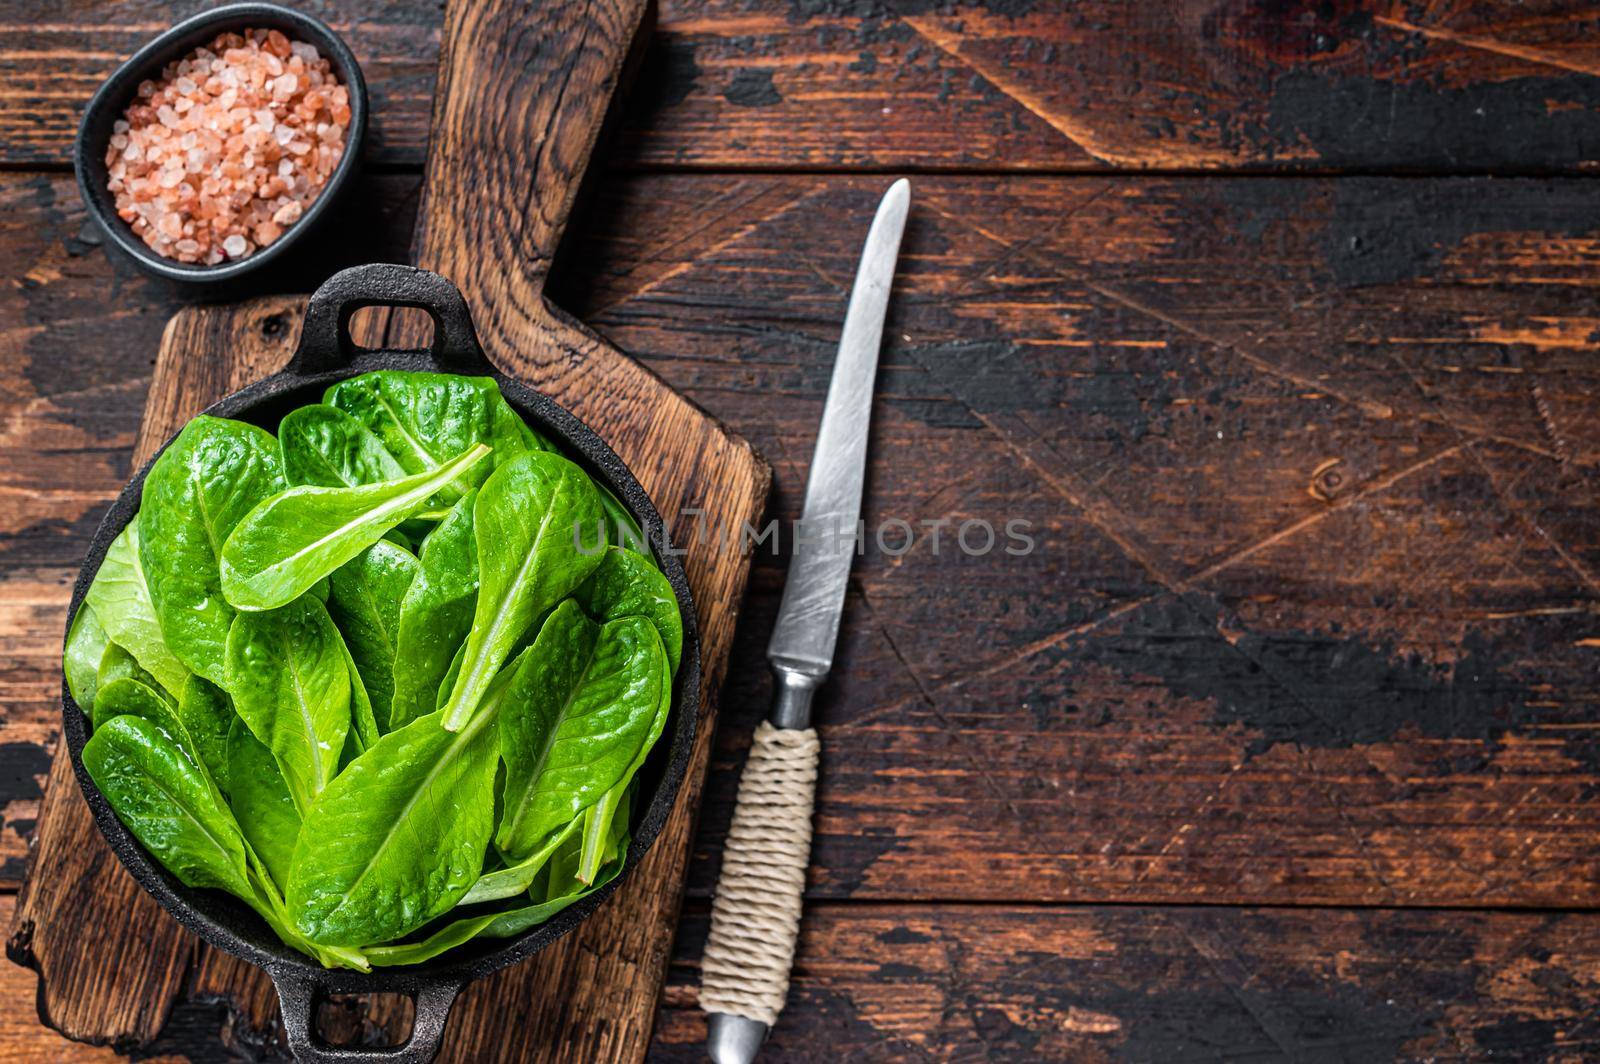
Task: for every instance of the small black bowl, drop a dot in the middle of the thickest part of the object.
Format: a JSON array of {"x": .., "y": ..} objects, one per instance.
[{"x": 112, "y": 99}]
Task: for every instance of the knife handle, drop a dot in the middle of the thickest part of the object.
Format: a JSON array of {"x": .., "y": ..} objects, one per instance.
[{"x": 755, "y": 917}]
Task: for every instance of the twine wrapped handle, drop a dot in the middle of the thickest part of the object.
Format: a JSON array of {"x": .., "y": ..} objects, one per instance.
[{"x": 755, "y": 917}]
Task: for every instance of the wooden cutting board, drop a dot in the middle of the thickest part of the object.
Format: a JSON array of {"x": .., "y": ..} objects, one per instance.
[{"x": 523, "y": 91}]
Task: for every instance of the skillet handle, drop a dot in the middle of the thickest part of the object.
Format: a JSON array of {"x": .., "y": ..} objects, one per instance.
[
  {"x": 299, "y": 996},
  {"x": 325, "y": 342}
]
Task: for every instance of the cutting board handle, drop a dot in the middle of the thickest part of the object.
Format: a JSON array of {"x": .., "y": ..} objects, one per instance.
[
  {"x": 325, "y": 342},
  {"x": 524, "y": 89}
]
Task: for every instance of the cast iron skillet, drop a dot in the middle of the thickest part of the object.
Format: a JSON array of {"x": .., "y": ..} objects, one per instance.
[{"x": 326, "y": 354}]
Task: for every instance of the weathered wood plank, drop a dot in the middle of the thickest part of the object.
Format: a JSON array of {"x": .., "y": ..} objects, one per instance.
[
  {"x": 1045, "y": 983},
  {"x": 997, "y": 85},
  {"x": 53, "y": 56},
  {"x": 32, "y": 626},
  {"x": 21, "y": 1037},
  {"x": 1232, "y": 670},
  {"x": 950, "y": 981}
]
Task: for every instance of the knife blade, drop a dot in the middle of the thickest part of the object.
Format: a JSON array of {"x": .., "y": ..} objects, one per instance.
[
  {"x": 801, "y": 648},
  {"x": 755, "y": 917}
]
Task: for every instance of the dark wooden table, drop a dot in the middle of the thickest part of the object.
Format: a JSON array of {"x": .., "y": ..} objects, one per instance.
[{"x": 1275, "y": 322}]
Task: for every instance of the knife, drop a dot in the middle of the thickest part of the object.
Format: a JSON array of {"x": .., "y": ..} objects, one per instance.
[{"x": 755, "y": 917}]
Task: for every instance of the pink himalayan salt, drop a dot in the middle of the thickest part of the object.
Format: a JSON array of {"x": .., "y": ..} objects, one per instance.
[{"x": 215, "y": 160}]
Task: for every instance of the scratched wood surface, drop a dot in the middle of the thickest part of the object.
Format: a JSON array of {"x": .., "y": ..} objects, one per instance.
[
  {"x": 1008, "y": 84},
  {"x": 1002, "y": 84},
  {"x": 1309, "y": 633}
]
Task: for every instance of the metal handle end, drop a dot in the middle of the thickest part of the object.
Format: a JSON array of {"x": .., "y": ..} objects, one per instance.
[
  {"x": 791, "y": 697},
  {"x": 733, "y": 1039}
]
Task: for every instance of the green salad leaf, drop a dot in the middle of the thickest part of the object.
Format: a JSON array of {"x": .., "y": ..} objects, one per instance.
[
  {"x": 600, "y": 818},
  {"x": 121, "y": 602},
  {"x": 413, "y": 816},
  {"x": 364, "y": 730},
  {"x": 621, "y": 528},
  {"x": 516, "y": 878},
  {"x": 207, "y": 716},
  {"x": 530, "y": 524},
  {"x": 324, "y": 446},
  {"x": 436, "y": 614},
  {"x": 557, "y": 889},
  {"x": 86, "y": 646},
  {"x": 117, "y": 664},
  {"x": 131, "y": 697},
  {"x": 261, "y": 802},
  {"x": 197, "y": 491},
  {"x": 290, "y": 683},
  {"x": 424, "y": 419},
  {"x": 298, "y": 536},
  {"x": 166, "y": 801},
  {"x": 627, "y": 584},
  {"x": 365, "y": 602},
  {"x": 592, "y": 702}
]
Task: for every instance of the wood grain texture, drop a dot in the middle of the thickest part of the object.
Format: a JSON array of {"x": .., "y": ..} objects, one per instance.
[
  {"x": 951, "y": 982},
  {"x": 1117, "y": 85},
  {"x": 1000, "y": 983},
  {"x": 990, "y": 85},
  {"x": 22, "y": 1039},
  {"x": 54, "y": 55}
]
